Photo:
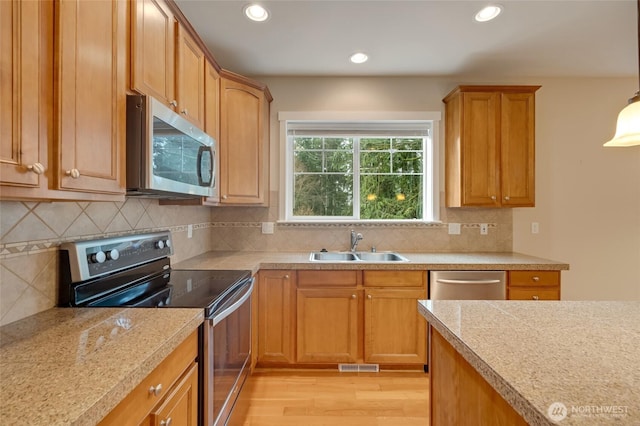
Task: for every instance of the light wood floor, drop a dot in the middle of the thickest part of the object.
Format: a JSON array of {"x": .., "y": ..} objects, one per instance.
[{"x": 313, "y": 398}]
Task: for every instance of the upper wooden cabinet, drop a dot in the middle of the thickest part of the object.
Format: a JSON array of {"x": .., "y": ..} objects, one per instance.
[
  {"x": 190, "y": 79},
  {"x": 166, "y": 61},
  {"x": 244, "y": 141},
  {"x": 90, "y": 95},
  {"x": 490, "y": 146},
  {"x": 212, "y": 101},
  {"x": 62, "y": 137},
  {"x": 153, "y": 50},
  {"x": 26, "y": 89}
]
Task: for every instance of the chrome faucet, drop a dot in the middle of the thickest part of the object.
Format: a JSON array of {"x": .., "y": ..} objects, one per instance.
[{"x": 355, "y": 239}]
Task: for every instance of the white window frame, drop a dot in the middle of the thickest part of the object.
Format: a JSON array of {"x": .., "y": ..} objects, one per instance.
[{"x": 430, "y": 182}]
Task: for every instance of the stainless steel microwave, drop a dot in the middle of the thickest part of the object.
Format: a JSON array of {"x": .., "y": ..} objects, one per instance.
[{"x": 167, "y": 156}]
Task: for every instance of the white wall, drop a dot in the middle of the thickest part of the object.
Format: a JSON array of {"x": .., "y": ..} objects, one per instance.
[{"x": 588, "y": 197}]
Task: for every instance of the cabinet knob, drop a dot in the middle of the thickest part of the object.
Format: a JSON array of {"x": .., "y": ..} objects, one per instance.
[
  {"x": 173, "y": 103},
  {"x": 74, "y": 173},
  {"x": 507, "y": 198},
  {"x": 535, "y": 298},
  {"x": 185, "y": 112},
  {"x": 536, "y": 278},
  {"x": 369, "y": 296},
  {"x": 286, "y": 277},
  {"x": 224, "y": 197},
  {"x": 166, "y": 422},
  {"x": 36, "y": 168},
  {"x": 353, "y": 296},
  {"x": 493, "y": 197},
  {"x": 155, "y": 390}
]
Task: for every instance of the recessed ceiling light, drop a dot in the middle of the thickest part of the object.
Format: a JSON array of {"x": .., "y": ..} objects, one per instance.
[
  {"x": 488, "y": 13},
  {"x": 255, "y": 12},
  {"x": 359, "y": 58}
]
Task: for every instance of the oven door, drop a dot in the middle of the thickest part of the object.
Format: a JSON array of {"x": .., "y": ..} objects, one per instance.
[{"x": 227, "y": 342}]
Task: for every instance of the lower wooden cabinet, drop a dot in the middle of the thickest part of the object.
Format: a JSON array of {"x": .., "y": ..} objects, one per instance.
[
  {"x": 170, "y": 391},
  {"x": 311, "y": 317},
  {"x": 533, "y": 285},
  {"x": 276, "y": 316},
  {"x": 327, "y": 325}
]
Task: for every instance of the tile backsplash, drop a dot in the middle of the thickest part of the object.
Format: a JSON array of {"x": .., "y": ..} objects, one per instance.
[{"x": 30, "y": 233}]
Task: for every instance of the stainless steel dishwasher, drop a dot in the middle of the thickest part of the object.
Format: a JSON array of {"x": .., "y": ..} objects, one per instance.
[{"x": 467, "y": 285}]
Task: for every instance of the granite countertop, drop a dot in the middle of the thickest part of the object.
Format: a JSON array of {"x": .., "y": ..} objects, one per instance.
[
  {"x": 69, "y": 366},
  {"x": 255, "y": 261},
  {"x": 584, "y": 355}
]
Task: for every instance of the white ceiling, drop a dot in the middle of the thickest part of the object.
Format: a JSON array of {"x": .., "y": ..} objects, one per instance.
[{"x": 421, "y": 37}]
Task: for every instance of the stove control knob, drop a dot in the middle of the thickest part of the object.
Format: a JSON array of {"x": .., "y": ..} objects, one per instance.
[
  {"x": 98, "y": 257},
  {"x": 113, "y": 254},
  {"x": 167, "y": 243},
  {"x": 160, "y": 244}
]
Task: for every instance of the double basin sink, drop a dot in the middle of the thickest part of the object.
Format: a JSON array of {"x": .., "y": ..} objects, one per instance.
[{"x": 359, "y": 256}]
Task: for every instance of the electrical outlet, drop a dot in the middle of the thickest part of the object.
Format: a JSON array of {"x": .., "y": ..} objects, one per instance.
[
  {"x": 484, "y": 229},
  {"x": 454, "y": 229},
  {"x": 535, "y": 227},
  {"x": 189, "y": 231}
]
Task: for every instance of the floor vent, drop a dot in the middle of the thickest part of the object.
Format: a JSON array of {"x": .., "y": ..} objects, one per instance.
[{"x": 358, "y": 368}]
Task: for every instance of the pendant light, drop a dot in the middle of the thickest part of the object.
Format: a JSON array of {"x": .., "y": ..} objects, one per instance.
[{"x": 628, "y": 128}]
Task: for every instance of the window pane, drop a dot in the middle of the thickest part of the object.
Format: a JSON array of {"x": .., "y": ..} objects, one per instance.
[
  {"x": 377, "y": 144},
  {"x": 308, "y": 161},
  {"x": 307, "y": 143},
  {"x": 391, "y": 197},
  {"x": 339, "y": 161},
  {"x": 407, "y": 162},
  {"x": 375, "y": 162},
  {"x": 323, "y": 195},
  {"x": 338, "y": 143},
  {"x": 408, "y": 144}
]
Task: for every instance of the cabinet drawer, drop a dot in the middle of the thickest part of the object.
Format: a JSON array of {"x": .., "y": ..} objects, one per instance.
[
  {"x": 140, "y": 402},
  {"x": 328, "y": 278},
  {"x": 534, "y": 278},
  {"x": 394, "y": 278},
  {"x": 534, "y": 293}
]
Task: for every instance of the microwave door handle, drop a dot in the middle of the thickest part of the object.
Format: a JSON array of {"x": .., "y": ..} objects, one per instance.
[{"x": 201, "y": 151}]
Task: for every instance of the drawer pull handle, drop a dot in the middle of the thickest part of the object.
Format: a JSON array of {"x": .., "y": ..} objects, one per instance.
[
  {"x": 74, "y": 173},
  {"x": 155, "y": 390},
  {"x": 536, "y": 279},
  {"x": 166, "y": 422},
  {"x": 535, "y": 298},
  {"x": 36, "y": 168}
]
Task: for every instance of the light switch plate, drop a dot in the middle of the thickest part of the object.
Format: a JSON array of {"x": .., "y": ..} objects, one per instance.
[
  {"x": 454, "y": 229},
  {"x": 267, "y": 227},
  {"x": 189, "y": 231},
  {"x": 484, "y": 229}
]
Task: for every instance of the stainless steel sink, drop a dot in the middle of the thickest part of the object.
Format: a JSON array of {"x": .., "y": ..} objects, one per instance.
[
  {"x": 331, "y": 256},
  {"x": 367, "y": 256},
  {"x": 363, "y": 256}
]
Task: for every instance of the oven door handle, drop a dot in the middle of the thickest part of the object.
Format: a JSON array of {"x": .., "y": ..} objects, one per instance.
[{"x": 219, "y": 316}]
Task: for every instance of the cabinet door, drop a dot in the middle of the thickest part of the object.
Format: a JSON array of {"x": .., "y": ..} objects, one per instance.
[
  {"x": 90, "y": 103},
  {"x": 190, "y": 79},
  {"x": 212, "y": 101},
  {"x": 394, "y": 331},
  {"x": 181, "y": 405},
  {"x": 327, "y": 325},
  {"x": 276, "y": 316},
  {"x": 153, "y": 50},
  {"x": 242, "y": 144},
  {"x": 26, "y": 54},
  {"x": 480, "y": 147},
  {"x": 517, "y": 148}
]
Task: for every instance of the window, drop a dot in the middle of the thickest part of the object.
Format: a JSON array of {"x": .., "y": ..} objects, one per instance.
[{"x": 360, "y": 170}]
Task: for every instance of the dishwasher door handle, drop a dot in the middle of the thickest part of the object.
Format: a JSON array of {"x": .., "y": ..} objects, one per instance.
[{"x": 445, "y": 281}]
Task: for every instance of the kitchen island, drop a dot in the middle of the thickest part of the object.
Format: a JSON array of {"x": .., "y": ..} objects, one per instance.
[{"x": 563, "y": 362}]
